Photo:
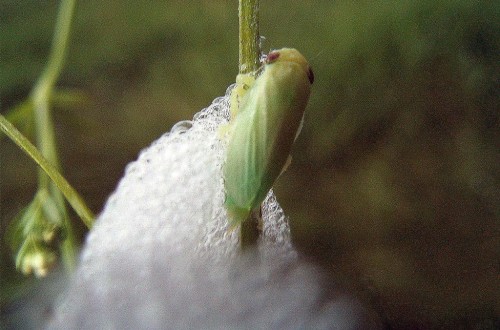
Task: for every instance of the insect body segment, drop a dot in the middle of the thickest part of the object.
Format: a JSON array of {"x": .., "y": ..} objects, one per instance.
[{"x": 263, "y": 129}]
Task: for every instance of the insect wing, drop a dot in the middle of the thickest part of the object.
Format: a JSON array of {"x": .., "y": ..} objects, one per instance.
[{"x": 262, "y": 134}]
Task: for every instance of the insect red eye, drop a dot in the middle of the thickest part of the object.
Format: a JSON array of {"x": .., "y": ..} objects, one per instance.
[
  {"x": 310, "y": 75},
  {"x": 272, "y": 56}
]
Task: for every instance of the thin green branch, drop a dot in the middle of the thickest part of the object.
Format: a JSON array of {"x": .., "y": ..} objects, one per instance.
[
  {"x": 71, "y": 195},
  {"x": 57, "y": 51},
  {"x": 42, "y": 90},
  {"x": 41, "y": 95},
  {"x": 249, "y": 53},
  {"x": 249, "y": 230}
]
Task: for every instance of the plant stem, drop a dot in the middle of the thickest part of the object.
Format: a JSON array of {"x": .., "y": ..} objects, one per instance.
[
  {"x": 42, "y": 90},
  {"x": 71, "y": 195},
  {"x": 58, "y": 49},
  {"x": 40, "y": 97},
  {"x": 249, "y": 230},
  {"x": 249, "y": 53}
]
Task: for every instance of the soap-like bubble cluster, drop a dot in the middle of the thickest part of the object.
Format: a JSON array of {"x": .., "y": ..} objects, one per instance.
[
  {"x": 171, "y": 200},
  {"x": 161, "y": 254}
]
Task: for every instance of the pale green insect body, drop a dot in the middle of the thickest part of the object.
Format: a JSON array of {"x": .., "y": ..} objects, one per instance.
[{"x": 261, "y": 135}]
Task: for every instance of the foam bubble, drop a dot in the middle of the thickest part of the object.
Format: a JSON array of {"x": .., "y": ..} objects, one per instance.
[
  {"x": 161, "y": 255},
  {"x": 171, "y": 198}
]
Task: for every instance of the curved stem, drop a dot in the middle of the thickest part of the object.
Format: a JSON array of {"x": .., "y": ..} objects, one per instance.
[
  {"x": 71, "y": 195},
  {"x": 57, "y": 51},
  {"x": 42, "y": 90},
  {"x": 45, "y": 138}
]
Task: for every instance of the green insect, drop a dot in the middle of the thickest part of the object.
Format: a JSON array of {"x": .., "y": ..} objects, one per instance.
[{"x": 264, "y": 124}]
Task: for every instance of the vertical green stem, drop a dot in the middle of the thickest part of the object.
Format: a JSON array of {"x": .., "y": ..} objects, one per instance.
[
  {"x": 45, "y": 139},
  {"x": 42, "y": 90},
  {"x": 249, "y": 230},
  {"x": 249, "y": 53}
]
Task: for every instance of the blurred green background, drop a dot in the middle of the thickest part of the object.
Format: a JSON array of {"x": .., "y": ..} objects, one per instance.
[{"x": 394, "y": 183}]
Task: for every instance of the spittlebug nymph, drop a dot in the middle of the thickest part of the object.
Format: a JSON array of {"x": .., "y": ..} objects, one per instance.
[{"x": 262, "y": 132}]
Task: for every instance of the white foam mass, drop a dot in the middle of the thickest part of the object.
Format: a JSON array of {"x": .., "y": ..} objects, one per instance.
[
  {"x": 161, "y": 256},
  {"x": 172, "y": 198}
]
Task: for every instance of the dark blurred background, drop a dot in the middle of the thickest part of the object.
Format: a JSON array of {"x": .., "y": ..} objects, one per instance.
[{"x": 394, "y": 183}]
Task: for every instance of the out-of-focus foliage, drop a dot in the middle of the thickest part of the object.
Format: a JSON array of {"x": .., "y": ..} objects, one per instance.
[
  {"x": 399, "y": 176},
  {"x": 395, "y": 175}
]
